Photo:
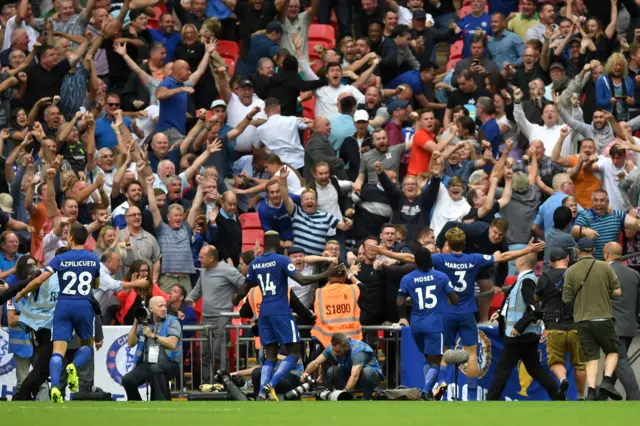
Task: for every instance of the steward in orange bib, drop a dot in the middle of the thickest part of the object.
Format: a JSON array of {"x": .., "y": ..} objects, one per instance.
[{"x": 337, "y": 310}]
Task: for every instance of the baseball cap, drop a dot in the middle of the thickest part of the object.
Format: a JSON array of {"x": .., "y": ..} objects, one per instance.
[
  {"x": 361, "y": 115},
  {"x": 396, "y": 104},
  {"x": 275, "y": 26},
  {"x": 6, "y": 203},
  {"x": 585, "y": 245},
  {"x": 557, "y": 253},
  {"x": 246, "y": 83},
  {"x": 420, "y": 14},
  {"x": 557, "y": 65},
  {"x": 295, "y": 249},
  {"x": 217, "y": 103}
]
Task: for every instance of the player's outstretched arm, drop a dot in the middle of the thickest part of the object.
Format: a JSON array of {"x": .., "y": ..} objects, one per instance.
[
  {"x": 34, "y": 284},
  {"x": 333, "y": 270},
  {"x": 510, "y": 255}
]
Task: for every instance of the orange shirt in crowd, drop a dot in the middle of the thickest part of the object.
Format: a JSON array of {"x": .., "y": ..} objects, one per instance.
[
  {"x": 586, "y": 183},
  {"x": 37, "y": 218},
  {"x": 419, "y": 160}
]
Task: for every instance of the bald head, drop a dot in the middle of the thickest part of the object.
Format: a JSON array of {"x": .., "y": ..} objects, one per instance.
[
  {"x": 612, "y": 251},
  {"x": 180, "y": 70},
  {"x": 527, "y": 262},
  {"x": 156, "y": 301},
  {"x": 229, "y": 203},
  {"x": 322, "y": 126}
]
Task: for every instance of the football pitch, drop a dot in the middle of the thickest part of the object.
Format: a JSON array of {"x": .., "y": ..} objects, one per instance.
[{"x": 319, "y": 413}]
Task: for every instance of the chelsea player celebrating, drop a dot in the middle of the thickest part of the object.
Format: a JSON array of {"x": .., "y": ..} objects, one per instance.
[
  {"x": 78, "y": 273},
  {"x": 429, "y": 290},
  {"x": 276, "y": 325}
]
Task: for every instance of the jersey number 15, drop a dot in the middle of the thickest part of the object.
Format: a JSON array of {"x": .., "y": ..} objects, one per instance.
[{"x": 426, "y": 299}]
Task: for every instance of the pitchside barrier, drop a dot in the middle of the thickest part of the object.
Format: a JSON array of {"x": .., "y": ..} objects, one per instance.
[{"x": 398, "y": 356}]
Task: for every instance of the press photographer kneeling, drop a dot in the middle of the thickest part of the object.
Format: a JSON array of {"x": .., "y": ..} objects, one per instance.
[
  {"x": 157, "y": 337},
  {"x": 561, "y": 332}
]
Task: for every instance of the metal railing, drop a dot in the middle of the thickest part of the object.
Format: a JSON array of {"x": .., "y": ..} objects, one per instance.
[{"x": 385, "y": 340}]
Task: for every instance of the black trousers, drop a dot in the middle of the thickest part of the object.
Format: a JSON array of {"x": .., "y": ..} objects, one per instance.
[
  {"x": 523, "y": 349},
  {"x": 157, "y": 375},
  {"x": 40, "y": 372}
]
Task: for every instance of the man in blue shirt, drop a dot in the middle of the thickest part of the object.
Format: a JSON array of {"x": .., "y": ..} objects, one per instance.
[
  {"x": 264, "y": 45},
  {"x": 563, "y": 187},
  {"x": 429, "y": 291},
  {"x": 474, "y": 24},
  {"x": 276, "y": 325},
  {"x": 485, "y": 109},
  {"x": 167, "y": 35},
  {"x": 504, "y": 46},
  {"x": 105, "y": 135},
  {"x": 274, "y": 215},
  {"x": 78, "y": 273}
]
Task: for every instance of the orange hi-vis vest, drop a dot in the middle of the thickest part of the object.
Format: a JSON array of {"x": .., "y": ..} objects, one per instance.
[
  {"x": 254, "y": 297},
  {"x": 337, "y": 309}
]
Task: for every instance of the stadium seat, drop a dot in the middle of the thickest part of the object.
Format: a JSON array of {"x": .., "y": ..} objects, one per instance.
[
  {"x": 320, "y": 33},
  {"x": 465, "y": 10},
  {"x": 249, "y": 237},
  {"x": 250, "y": 221},
  {"x": 228, "y": 49},
  {"x": 309, "y": 108},
  {"x": 455, "y": 52},
  {"x": 231, "y": 64}
]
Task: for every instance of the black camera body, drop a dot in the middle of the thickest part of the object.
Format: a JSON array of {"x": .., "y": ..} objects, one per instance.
[{"x": 142, "y": 315}]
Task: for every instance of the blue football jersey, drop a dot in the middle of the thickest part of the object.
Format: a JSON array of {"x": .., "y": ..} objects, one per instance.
[
  {"x": 76, "y": 270},
  {"x": 271, "y": 271},
  {"x": 462, "y": 270},
  {"x": 428, "y": 292}
]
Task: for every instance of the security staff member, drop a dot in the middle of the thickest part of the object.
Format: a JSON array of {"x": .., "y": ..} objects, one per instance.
[
  {"x": 521, "y": 333},
  {"x": 336, "y": 306},
  {"x": 590, "y": 284},
  {"x": 626, "y": 312},
  {"x": 158, "y": 353},
  {"x": 561, "y": 332}
]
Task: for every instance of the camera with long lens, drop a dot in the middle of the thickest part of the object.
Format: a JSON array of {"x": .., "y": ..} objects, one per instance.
[
  {"x": 231, "y": 386},
  {"x": 307, "y": 386},
  {"x": 142, "y": 314}
]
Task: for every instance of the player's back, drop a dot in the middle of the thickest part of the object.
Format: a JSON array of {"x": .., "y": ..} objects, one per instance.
[
  {"x": 271, "y": 271},
  {"x": 428, "y": 292},
  {"x": 462, "y": 270},
  {"x": 76, "y": 270}
]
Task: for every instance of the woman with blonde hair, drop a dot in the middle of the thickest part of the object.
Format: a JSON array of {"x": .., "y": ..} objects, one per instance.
[
  {"x": 109, "y": 239},
  {"x": 614, "y": 88}
]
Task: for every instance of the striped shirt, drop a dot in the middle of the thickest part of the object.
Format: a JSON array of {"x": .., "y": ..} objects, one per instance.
[
  {"x": 310, "y": 230},
  {"x": 175, "y": 246},
  {"x": 608, "y": 226}
]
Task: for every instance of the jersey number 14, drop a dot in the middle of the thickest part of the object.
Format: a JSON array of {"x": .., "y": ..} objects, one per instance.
[{"x": 267, "y": 286}]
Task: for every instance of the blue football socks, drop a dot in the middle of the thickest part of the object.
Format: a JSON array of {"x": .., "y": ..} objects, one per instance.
[
  {"x": 55, "y": 369},
  {"x": 83, "y": 355},
  {"x": 288, "y": 364}
]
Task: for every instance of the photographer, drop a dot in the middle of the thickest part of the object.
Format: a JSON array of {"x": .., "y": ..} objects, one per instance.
[
  {"x": 356, "y": 365},
  {"x": 156, "y": 336},
  {"x": 561, "y": 332}
]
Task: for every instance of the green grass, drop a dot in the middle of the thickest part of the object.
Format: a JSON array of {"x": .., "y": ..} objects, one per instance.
[{"x": 320, "y": 413}]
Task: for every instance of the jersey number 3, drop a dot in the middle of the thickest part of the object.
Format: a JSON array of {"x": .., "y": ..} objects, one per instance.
[
  {"x": 461, "y": 285},
  {"x": 84, "y": 287},
  {"x": 428, "y": 300},
  {"x": 267, "y": 285}
]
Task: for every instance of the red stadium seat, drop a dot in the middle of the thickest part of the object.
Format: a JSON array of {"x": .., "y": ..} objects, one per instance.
[
  {"x": 228, "y": 49},
  {"x": 465, "y": 10},
  {"x": 309, "y": 108},
  {"x": 249, "y": 237},
  {"x": 250, "y": 221},
  {"x": 231, "y": 64},
  {"x": 455, "y": 51},
  {"x": 323, "y": 33}
]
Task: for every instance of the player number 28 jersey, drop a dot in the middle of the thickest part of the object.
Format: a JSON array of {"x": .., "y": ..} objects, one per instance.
[
  {"x": 462, "y": 270},
  {"x": 271, "y": 271},
  {"x": 76, "y": 270}
]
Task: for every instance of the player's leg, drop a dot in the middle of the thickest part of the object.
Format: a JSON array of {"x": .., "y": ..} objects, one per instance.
[
  {"x": 450, "y": 332},
  {"x": 61, "y": 334},
  {"x": 287, "y": 334},
  {"x": 269, "y": 342},
  {"x": 83, "y": 323},
  {"x": 469, "y": 340}
]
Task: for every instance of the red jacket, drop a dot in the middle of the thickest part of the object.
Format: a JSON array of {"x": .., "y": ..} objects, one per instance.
[{"x": 127, "y": 299}]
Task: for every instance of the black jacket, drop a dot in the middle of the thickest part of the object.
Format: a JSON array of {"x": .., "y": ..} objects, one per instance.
[
  {"x": 319, "y": 149},
  {"x": 286, "y": 86}
]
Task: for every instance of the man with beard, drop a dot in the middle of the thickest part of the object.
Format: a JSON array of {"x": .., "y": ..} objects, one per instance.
[
  {"x": 389, "y": 156},
  {"x": 425, "y": 38},
  {"x": 601, "y": 129},
  {"x": 310, "y": 226},
  {"x": 467, "y": 94},
  {"x": 298, "y": 22}
]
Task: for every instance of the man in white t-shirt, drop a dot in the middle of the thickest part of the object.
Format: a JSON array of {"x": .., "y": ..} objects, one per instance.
[
  {"x": 240, "y": 100},
  {"x": 298, "y": 22},
  {"x": 327, "y": 96},
  {"x": 613, "y": 170},
  {"x": 18, "y": 22}
]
